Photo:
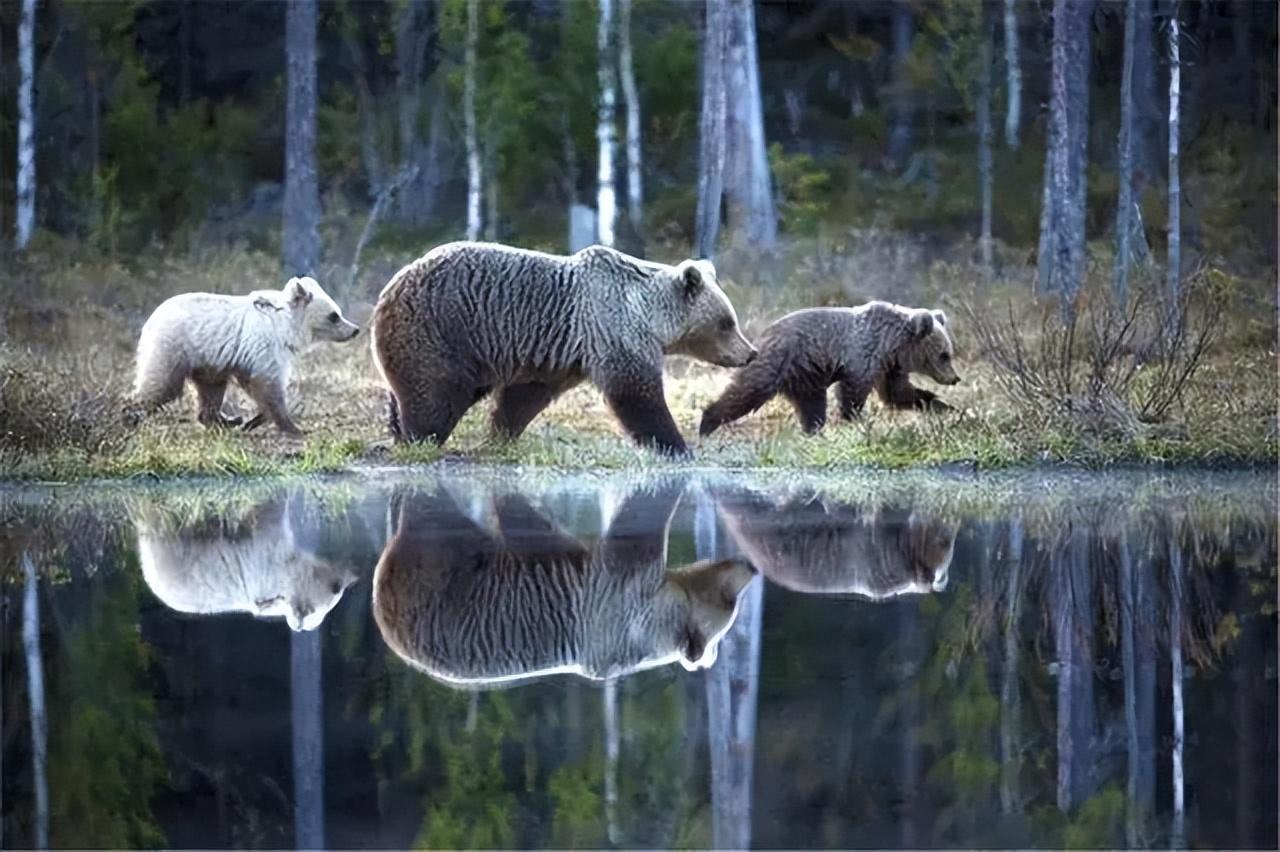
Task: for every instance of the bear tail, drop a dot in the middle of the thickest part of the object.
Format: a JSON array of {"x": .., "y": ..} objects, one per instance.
[{"x": 393, "y": 417}]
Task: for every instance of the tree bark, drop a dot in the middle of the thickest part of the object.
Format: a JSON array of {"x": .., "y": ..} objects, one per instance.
[
  {"x": 606, "y": 196},
  {"x": 1147, "y": 120},
  {"x": 747, "y": 189},
  {"x": 1073, "y": 634},
  {"x": 301, "y": 187},
  {"x": 1124, "y": 204},
  {"x": 35, "y": 698},
  {"x": 474, "y": 188},
  {"x": 900, "y": 134},
  {"x": 1175, "y": 185},
  {"x": 307, "y": 705},
  {"x": 631, "y": 96},
  {"x": 711, "y": 154},
  {"x": 1013, "y": 76},
  {"x": 611, "y": 742},
  {"x": 26, "y": 189},
  {"x": 1010, "y": 696},
  {"x": 985, "y": 177},
  {"x": 1175, "y": 653}
]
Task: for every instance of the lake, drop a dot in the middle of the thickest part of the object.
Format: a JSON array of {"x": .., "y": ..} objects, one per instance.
[{"x": 465, "y": 657}]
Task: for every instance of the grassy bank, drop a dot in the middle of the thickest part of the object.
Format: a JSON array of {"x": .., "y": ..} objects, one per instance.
[{"x": 66, "y": 365}]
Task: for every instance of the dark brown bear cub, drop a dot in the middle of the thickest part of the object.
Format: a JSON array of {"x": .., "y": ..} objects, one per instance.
[{"x": 875, "y": 346}]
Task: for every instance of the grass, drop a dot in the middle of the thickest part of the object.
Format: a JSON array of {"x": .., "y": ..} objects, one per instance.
[{"x": 60, "y": 417}]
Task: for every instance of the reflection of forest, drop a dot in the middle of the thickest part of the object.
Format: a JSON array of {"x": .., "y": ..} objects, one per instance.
[{"x": 1034, "y": 701}]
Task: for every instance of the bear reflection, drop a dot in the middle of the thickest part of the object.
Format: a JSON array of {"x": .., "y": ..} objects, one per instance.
[
  {"x": 818, "y": 545},
  {"x": 470, "y": 607},
  {"x": 245, "y": 561}
]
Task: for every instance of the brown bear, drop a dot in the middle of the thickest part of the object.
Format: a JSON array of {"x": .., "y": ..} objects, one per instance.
[
  {"x": 811, "y": 543},
  {"x": 874, "y": 346},
  {"x": 482, "y": 609},
  {"x": 467, "y": 319}
]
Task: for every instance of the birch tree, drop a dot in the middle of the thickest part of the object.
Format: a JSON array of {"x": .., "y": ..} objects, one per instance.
[
  {"x": 35, "y": 697},
  {"x": 1124, "y": 204},
  {"x": 631, "y": 97},
  {"x": 606, "y": 196},
  {"x": 307, "y": 709},
  {"x": 985, "y": 176},
  {"x": 469, "y": 120},
  {"x": 301, "y": 186},
  {"x": 26, "y": 213},
  {"x": 1174, "y": 262},
  {"x": 900, "y": 133},
  {"x": 711, "y": 150},
  {"x": 1013, "y": 76},
  {"x": 748, "y": 193}
]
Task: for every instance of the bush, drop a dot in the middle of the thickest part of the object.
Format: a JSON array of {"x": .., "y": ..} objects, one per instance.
[{"x": 44, "y": 410}]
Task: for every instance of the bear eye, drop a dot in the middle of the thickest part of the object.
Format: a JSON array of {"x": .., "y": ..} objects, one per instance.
[
  {"x": 726, "y": 324},
  {"x": 945, "y": 357},
  {"x": 333, "y": 317},
  {"x": 335, "y": 587}
]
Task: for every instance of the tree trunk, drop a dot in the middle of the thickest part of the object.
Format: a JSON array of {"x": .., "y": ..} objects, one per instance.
[
  {"x": 1124, "y": 204},
  {"x": 606, "y": 196},
  {"x": 411, "y": 54},
  {"x": 307, "y": 703},
  {"x": 711, "y": 153},
  {"x": 900, "y": 134},
  {"x": 26, "y": 214},
  {"x": 1175, "y": 184},
  {"x": 469, "y": 120},
  {"x": 35, "y": 698},
  {"x": 1013, "y": 75},
  {"x": 631, "y": 96},
  {"x": 611, "y": 738},
  {"x": 491, "y": 199},
  {"x": 1010, "y": 696},
  {"x": 301, "y": 188},
  {"x": 1147, "y": 118},
  {"x": 985, "y": 176},
  {"x": 747, "y": 189},
  {"x": 1073, "y": 634},
  {"x": 1175, "y": 652},
  {"x": 1062, "y": 235}
]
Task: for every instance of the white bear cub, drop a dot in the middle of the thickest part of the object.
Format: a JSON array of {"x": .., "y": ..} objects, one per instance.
[{"x": 253, "y": 340}]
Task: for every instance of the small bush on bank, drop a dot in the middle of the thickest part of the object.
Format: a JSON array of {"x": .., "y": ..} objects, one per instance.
[{"x": 57, "y": 408}]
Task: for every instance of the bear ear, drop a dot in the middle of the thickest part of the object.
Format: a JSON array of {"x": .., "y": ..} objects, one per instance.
[
  {"x": 691, "y": 278},
  {"x": 922, "y": 324},
  {"x": 297, "y": 293},
  {"x": 940, "y": 318}
]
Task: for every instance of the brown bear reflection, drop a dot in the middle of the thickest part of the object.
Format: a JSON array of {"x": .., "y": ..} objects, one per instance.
[
  {"x": 817, "y": 545},
  {"x": 473, "y": 608}
]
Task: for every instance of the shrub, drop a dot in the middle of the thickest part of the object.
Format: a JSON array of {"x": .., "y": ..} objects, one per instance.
[{"x": 45, "y": 409}]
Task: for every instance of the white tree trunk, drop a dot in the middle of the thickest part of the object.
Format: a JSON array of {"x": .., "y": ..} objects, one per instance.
[
  {"x": 985, "y": 176},
  {"x": 1124, "y": 204},
  {"x": 1010, "y": 696},
  {"x": 26, "y": 216},
  {"x": 35, "y": 697},
  {"x": 474, "y": 185},
  {"x": 711, "y": 152},
  {"x": 747, "y": 179},
  {"x": 1013, "y": 75},
  {"x": 1175, "y": 653},
  {"x": 307, "y": 710},
  {"x": 1175, "y": 184},
  {"x": 611, "y": 751},
  {"x": 301, "y": 185},
  {"x": 606, "y": 196},
  {"x": 631, "y": 96},
  {"x": 900, "y": 134}
]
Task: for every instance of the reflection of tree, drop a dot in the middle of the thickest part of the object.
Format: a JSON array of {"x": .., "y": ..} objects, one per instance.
[
  {"x": 307, "y": 705},
  {"x": 35, "y": 696}
]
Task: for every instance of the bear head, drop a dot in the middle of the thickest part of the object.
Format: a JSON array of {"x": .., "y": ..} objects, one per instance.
[
  {"x": 928, "y": 347},
  {"x": 702, "y": 599},
  {"x": 321, "y": 318},
  {"x": 709, "y": 329}
]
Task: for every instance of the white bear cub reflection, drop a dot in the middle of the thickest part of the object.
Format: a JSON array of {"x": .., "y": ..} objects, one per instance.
[{"x": 251, "y": 563}]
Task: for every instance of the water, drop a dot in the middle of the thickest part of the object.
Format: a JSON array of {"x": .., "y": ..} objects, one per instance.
[{"x": 904, "y": 661}]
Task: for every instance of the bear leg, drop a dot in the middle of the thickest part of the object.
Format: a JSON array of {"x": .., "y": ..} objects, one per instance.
[
  {"x": 210, "y": 414},
  {"x": 852, "y": 394},
  {"x": 634, "y": 392},
  {"x": 270, "y": 399},
  {"x": 517, "y": 405},
  {"x": 811, "y": 408},
  {"x": 431, "y": 411},
  {"x": 159, "y": 387},
  {"x": 896, "y": 391},
  {"x": 750, "y": 389}
]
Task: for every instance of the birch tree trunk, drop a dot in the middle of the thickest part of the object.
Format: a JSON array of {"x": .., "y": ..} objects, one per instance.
[
  {"x": 1013, "y": 76},
  {"x": 748, "y": 193},
  {"x": 1010, "y": 696},
  {"x": 307, "y": 708},
  {"x": 35, "y": 698},
  {"x": 900, "y": 134},
  {"x": 985, "y": 176},
  {"x": 1175, "y": 653},
  {"x": 26, "y": 196},
  {"x": 474, "y": 188},
  {"x": 611, "y": 751},
  {"x": 1175, "y": 185},
  {"x": 1124, "y": 204},
  {"x": 301, "y": 187},
  {"x": 606, "y": 196},
  {"x": 631, "y": 96},
  {"x": 711, "y": 152},
  {"x": 1147, "y": 118}
]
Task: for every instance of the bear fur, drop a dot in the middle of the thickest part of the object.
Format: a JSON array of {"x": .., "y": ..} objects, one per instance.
[
  {"x": 874, "y": 346},
  {"x": 253, "y": 340},
  {"x": 469, "y": 607},
  {"x": 250, "y": 563},
  {"x": 468, "y": 319},
  {"x": 816, "y": 545}
]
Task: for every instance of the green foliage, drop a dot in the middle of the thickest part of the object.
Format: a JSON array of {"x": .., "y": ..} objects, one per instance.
[{"x": 802, "y": 189}]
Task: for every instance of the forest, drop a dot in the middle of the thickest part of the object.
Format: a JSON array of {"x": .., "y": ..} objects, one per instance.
[{"x": 1111, "y": 162}]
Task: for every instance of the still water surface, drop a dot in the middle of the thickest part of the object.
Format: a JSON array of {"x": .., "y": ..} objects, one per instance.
[{"x": 476, "y": 659}]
